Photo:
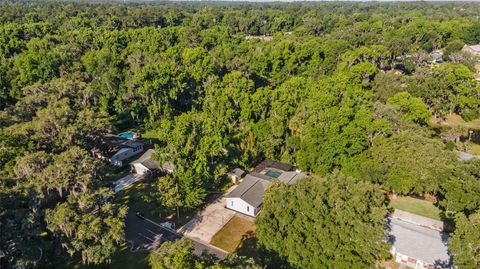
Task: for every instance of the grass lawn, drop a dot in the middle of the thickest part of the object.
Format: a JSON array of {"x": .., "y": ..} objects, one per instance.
[
  {"x": 456, "y": 120},
  {"x": 110, "y": 173},
  {"x": 391, "y": 264},
  {"x": 416, "y": 206},
  {"x": 233, "y": 234},
  {"x": 474, "y": 149},
  {"x": 124, "y": 259},
  {"x": 139, "y": 197}
]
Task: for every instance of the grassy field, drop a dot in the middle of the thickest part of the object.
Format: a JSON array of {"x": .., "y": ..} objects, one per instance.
[
  {"x": 416, "y": 206},
  {"x": 474, "y": 149},
  {"x": 392, "y": 264},
  {"x": 139, "y": 197},
  {"x": 233, "y": 234},
  {"x": 124, "y": 259},
  {"x": 110, "y": 173},
  {"x": 456, "y": 120}
]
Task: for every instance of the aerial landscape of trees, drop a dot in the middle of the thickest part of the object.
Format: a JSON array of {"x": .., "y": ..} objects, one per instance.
[
  {"x": 350, "y": 212},
  {"x": 344, "y": 91}
]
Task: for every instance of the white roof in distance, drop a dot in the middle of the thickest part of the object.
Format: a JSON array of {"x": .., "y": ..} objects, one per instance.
[{"x": 475, "y": 47}]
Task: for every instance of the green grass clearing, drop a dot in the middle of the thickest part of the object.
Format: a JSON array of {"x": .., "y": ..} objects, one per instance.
[
  {"x": 110, "y": 173},
  {"x": 139, "y": 197},
  {"x": 233, "y": 234},
  {"x": 474, "y": 149},
  {"x": 455, "y": 120},
  {"x": 416, "y": 206},
  {"x": 391, "y": 264}
]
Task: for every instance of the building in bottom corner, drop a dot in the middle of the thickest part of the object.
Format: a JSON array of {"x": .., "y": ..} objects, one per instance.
[{"x": 417, "y": 246}]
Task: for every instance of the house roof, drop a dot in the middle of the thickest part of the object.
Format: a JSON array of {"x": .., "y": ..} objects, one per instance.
[
  {"x": 237, "y": 172},
  {"x": 267, "y": 163},
  {"x": 291, "y": 177},
  {"x": 419, "y": 242},
  {"x": 145, "y": 156},
  {"x": 147, "y": 161},
  {"x": 108, "y": 145},
  {"x": 254, "y": 184},
  {"x": 475, "y": 47},
  {"x": 251, "y": 190}
]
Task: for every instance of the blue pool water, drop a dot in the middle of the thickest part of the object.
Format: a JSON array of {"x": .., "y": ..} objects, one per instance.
[
  {"x": 272, "y": 173},
  {"x": 127, "y": 135}
]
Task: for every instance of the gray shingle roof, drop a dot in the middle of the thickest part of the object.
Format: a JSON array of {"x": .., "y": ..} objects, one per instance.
[
  {"x": 254, "y": 184},
  {"x": 146, "y": 160},
  {"x": 238, "y": 172},
  {"x": 419, "y": 242},
  {"x": 267, "y": 163},
  {"x": 290, "y": 177},
  {"x": 251, "y": 190},
  {"x": 145, "y": 156}
]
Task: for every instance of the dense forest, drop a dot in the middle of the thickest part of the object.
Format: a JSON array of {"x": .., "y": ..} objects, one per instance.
[{"x": 344, "y": 91}]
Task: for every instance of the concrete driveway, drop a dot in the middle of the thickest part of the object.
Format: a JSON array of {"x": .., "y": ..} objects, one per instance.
[
  {"x": 209, "y": 221},
  {"x": 126, "y": 181}
]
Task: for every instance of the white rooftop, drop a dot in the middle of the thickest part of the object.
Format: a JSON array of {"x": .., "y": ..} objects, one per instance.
[{"x": 475, "y": 47}]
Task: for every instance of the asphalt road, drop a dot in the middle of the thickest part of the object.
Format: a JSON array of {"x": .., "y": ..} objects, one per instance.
[{"x": 143, "y": 233}]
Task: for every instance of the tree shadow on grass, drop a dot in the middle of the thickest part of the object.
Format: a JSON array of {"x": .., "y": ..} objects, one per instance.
[{"x": 251, "y": 248}]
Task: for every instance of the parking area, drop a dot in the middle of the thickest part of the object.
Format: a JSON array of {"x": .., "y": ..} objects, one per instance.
[
  {"x": 143, "y": 233},
  {"x": 209, "y": 221}
]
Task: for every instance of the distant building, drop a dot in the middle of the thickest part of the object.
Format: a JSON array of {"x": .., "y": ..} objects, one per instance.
[
  {"x": 474, "y": 49},
  {"x": 260, "y": 37},
  {"x": 247, "y": 198},
  {"x": 146, "y": 166},
  {"x": 236, "y": 175},
  {"x": 115, "y": 149},
  {"x": 437, "y": 56}
]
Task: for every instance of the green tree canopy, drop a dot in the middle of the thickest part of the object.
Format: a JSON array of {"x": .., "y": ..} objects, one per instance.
[
  {"x": 88, "y": 225},
  {"x": 179, "y": 255},
  {"x": 465, "y": 241},
  {"x": 332, "y": 222},
  {"x": 412, "y": 107},
  {"x": 404, "y": 163}
]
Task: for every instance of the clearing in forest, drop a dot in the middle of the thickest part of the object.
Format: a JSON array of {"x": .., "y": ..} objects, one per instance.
[
  {"x": 455, "y": 120},
  {"x": 416, "y": 206}
]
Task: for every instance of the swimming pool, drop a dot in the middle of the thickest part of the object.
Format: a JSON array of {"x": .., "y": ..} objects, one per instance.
[
  {"x": 127, "y": 135},
  {"x": 272, "y": 173}
]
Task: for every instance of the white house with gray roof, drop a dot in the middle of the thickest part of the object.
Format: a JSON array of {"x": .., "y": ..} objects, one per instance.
[
  {"x": 247, "y": 198},
  {"x": 115, "y": 149},
  {"x": 473, "y": 49},
  {"x": 145, "y": 165},
  {"x": 417, "y": 246}
]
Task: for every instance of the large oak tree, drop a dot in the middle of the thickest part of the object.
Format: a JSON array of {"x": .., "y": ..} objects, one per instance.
[{"x": 332, "y": 222}]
